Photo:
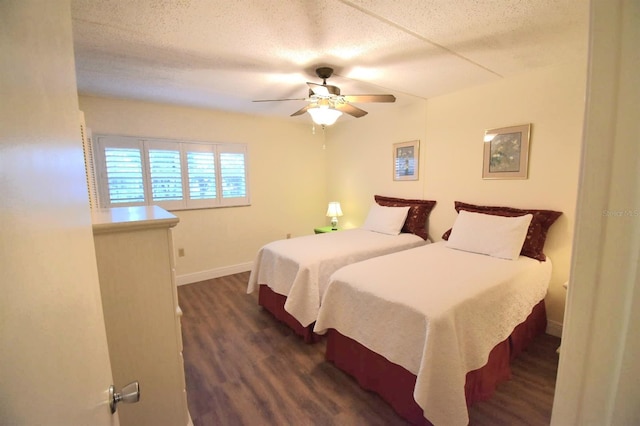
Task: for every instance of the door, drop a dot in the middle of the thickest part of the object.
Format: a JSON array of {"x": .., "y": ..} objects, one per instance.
[{"x": 54, "y": 364}]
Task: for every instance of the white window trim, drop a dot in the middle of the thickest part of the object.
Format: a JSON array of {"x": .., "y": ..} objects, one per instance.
[{"x": 144, "y": 144}]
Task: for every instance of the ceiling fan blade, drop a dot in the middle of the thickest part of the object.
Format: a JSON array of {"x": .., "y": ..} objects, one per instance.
[
  {"x": 369, "y": 98},
  {"x": 351, "y": 110},
  {"x": 318, "y": 89},
  {"x": 302, "y": 110},
  {"x": 278, "y": 100}
]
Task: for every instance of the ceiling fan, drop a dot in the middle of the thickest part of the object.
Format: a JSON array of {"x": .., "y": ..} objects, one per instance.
[{"x": 326, "y": 103}]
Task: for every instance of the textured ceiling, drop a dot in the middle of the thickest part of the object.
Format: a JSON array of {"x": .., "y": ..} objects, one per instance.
[{"x": 223, "y": 54}]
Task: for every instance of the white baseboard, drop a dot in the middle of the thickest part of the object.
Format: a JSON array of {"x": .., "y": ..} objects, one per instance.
[
  {"x": 554, "y": 328},
  {"x": 213, "y": 273}
]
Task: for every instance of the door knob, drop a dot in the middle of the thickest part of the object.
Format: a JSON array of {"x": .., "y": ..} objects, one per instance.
[{"x": 129, "y": 395}]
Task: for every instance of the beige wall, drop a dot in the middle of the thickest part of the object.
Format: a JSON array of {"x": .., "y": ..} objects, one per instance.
[
  {"x": 450, "y": 129},
  {"x": 552, "y": 100},
  {"x": 359, "y": 157},
  {"x": 286, "y": 178}
]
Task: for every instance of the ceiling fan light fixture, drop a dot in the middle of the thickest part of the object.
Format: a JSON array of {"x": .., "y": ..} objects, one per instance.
[
  {"x": 323, "y": 115},
  {"x": 326, "y": 104}
]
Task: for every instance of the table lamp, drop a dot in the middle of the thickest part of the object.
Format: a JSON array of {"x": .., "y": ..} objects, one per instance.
[{"x": 333, "y": 211}]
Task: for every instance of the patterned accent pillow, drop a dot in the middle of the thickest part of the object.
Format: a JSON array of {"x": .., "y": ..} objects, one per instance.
[
  {"x": 419, "y": 210},
  {"x": 536, "y": 235}
]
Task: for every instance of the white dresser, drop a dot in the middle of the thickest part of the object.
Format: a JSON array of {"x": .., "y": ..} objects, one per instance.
[{"x": 134, "y": 252}]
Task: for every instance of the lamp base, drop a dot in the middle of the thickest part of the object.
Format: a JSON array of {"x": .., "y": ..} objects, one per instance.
[{"x": 334, "y": 223}]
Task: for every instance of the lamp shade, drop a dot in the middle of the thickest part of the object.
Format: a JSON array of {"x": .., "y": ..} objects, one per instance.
[
  {"x": 334, "y": 209},
  {"x": 323, "y": 115}
]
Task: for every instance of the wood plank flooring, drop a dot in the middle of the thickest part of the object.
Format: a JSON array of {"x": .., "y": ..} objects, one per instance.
[{"x": 243, "y": 367}]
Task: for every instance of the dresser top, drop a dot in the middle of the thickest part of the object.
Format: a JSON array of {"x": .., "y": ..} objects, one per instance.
[{"x": 118, "y": 219}]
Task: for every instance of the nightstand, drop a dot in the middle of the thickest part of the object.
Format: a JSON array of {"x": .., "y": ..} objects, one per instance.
[{"x": 324, "y": 230}]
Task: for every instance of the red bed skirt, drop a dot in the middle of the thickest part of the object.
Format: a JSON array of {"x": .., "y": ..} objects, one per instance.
[
  {"x": 274, "y": 303},
  {"x": 395, "y": 384}
]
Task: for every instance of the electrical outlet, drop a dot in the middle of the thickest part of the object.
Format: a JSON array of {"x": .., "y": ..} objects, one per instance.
[{"x": 180, "y": 252}]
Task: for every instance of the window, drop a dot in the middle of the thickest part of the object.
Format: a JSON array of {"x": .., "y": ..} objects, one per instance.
[{"x": 175, "y": 175}]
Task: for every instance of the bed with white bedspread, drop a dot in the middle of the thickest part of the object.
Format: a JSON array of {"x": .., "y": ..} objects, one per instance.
[
  {"x": 291, "y": 275},
  {"x": 437, "y": 312},
  {"x": 299, "y": 268}
]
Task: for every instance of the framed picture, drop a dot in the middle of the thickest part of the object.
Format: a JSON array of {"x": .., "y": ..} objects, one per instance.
[
  {"x": 406, "y": 160},
  {"x": 506, "y": 152}
]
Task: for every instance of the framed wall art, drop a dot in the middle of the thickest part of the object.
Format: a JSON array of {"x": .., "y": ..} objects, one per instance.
[
  {"x": 506, "y": 152},
  {"x": 406, "y": 160}
]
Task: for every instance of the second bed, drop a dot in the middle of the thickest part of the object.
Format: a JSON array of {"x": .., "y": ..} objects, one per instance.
[{"x": 292, "y": 275}]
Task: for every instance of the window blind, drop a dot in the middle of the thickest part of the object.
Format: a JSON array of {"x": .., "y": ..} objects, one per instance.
[
  {"x": 166, "y": 175},
  {"x": 125, "y": 178},
  {"x": 233, "y": 174},
  {"x": 172, "y": 174},
  {"x": 89, "y": 164},
  {"x": 202, "y": 175}
]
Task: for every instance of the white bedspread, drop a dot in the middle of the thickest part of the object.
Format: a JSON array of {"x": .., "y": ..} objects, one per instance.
[
  {"x": 299, "y": 268},
  {"x": 435, "y": 311}
]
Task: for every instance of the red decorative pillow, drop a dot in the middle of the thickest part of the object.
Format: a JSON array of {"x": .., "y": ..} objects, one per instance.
[
  {"x": 419, "y": 210},
  {"x": 537, "y": 233}
]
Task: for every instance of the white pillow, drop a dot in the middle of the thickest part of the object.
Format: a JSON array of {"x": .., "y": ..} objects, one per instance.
[
  {"x": 386, "y": 220},
  {"x": 496, "y": 236}
]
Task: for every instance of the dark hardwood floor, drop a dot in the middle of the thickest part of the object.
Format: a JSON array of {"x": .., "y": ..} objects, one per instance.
[{"x": 243, "y": 367}]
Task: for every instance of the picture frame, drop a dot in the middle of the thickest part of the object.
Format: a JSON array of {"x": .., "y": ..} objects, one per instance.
[
  {"x": 406, "y": 160},
  {"x": 506, "y": 152}
]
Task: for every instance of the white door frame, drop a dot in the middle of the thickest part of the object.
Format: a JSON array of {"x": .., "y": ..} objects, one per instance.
[{"x": 600, "y": 358}]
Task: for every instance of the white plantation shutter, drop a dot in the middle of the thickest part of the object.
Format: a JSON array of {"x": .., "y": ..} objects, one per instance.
[
  {"x": 89, "y": 164},
  {"x": 202, "y": 175},
  {"x": 165, "y": 174},
  {"x": 234, "y": 175},
  {"x": 124, "y": 175},
  {"x": 172, "y": 174},
  {"x": 120, "y": 163},
  {"x": 201, "y": 172},
  {"x": 92, "y": 181}
]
